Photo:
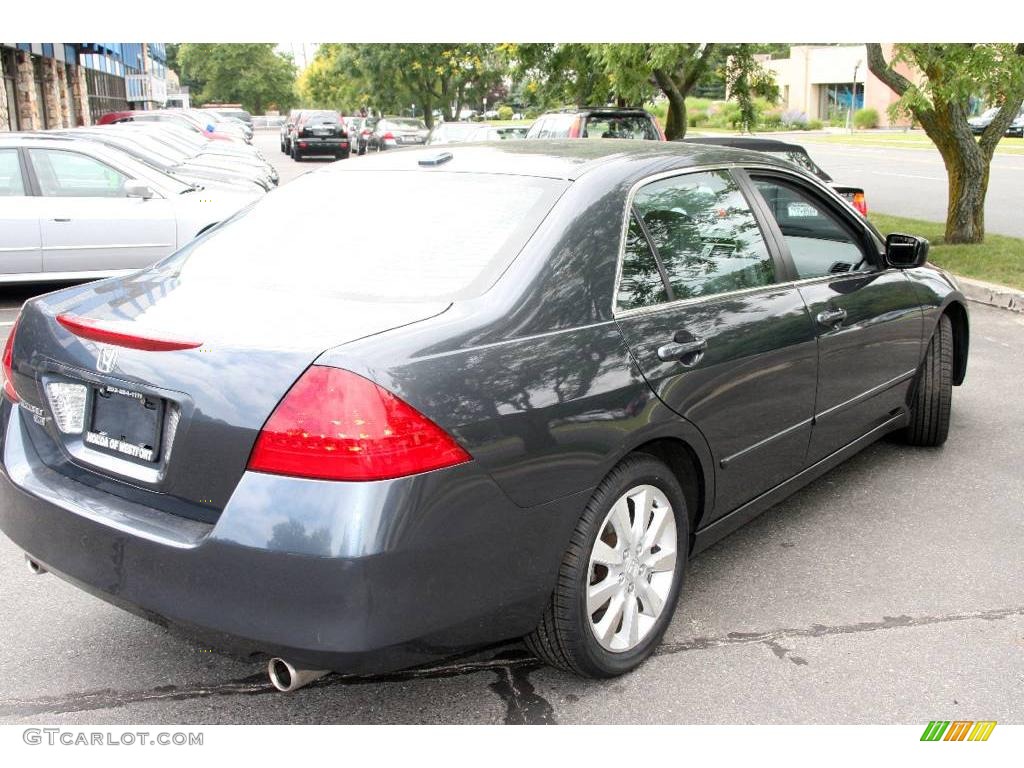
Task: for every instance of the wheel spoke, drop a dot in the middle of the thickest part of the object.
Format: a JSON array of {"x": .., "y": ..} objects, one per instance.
[
  {"x": 606, "y": 627},
  {"x": 642, "y": 502},
  {"x": 605, "y": 555},
  {"x": 655, "y": 529},
  {"x": 600, "y": 593},
  {"x": 630, "y": 631},
  {"x": 662, "y": 560},
  {"x": 651, "y": 599},
  {"x": 620, "y": 521}
]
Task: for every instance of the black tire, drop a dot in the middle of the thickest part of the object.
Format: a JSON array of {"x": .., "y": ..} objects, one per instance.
[
  {"x": 933, "y": 391},
  {"x": 296, "y": 155},
  {"x": 564, "y": 638}
]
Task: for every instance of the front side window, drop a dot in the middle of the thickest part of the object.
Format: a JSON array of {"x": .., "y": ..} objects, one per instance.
[
  {"x": 11, "y": 183},
  {"x": 70, "y": 174},
  {"x": 705, "y": 234},
  {"x": 818, "y": 242}
]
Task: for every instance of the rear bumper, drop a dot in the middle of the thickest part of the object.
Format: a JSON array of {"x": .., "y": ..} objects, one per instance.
[
  {"x": 355, "y": 577},
  {"x": 316, "y": 145}
]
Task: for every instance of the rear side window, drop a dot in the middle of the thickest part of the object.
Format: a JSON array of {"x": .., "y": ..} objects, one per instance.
[
  {"x": 640, "y": 284},
  {"x": 457, "y": 233},
  {"x": 819, "y": 244},
  {"x": 703, "y": 231},
  {"x": 11, "y": 183}
]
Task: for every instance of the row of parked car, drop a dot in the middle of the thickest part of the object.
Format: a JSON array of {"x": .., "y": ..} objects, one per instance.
[
  {"x": 321, "y": 132},
  {"x": 91, "y": 202}
]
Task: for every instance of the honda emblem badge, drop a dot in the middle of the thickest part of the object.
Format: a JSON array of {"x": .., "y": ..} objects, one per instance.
[{"x": 107, "y": 359}]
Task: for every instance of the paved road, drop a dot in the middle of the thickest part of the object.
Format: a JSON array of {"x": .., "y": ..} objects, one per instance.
[
  {"x": 889, "y": 591},
  {"x": 912, "y": 182}
]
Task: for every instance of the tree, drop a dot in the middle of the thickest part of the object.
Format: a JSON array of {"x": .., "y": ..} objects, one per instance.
[
  {"x": 675, "y": 68},
  {"x": 950, "y": 75},
  {"x": 745, "y": 78},
  {"x": 555, "y": 74},
  {"x": 251, "y": 74}
]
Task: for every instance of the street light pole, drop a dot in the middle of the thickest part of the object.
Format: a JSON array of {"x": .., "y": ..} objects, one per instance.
[{"x": 853, "y": 92}]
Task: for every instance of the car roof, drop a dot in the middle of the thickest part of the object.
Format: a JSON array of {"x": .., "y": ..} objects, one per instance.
[
  {"x": 567, "y": 159},
  {"x": 590, "y": 110}
]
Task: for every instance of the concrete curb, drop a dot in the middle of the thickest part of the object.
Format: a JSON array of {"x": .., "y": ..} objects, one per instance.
[{"x": 991, "y": 294}]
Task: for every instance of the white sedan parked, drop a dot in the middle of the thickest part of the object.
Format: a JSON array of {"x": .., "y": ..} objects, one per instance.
[{"x": 77, "y": 210}]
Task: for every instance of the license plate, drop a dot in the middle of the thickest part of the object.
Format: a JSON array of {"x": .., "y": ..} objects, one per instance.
[
  {"x": 126, "y": 422},
  {"x": 322, "y": 132}
]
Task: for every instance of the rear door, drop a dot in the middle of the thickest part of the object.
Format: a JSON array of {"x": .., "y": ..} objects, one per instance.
[
  {"x": 868, "y": 321},
  {"x": 20, "y": 242},
  {"x": 722, "y": 339},
  {"x": 87, "y": 222}
]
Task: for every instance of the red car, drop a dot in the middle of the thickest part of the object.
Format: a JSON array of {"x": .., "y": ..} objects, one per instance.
[{"x": 163, "y": 115}]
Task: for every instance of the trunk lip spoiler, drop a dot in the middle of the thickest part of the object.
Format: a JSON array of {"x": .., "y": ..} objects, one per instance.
[{"x": 95, "y": 330}]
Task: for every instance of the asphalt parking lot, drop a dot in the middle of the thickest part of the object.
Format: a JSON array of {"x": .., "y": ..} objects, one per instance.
[{"x": 889, "y": 591}]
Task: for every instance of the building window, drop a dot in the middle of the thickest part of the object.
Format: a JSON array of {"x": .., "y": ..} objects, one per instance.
[
  {"x": 834, "y": 100},
  {"x": 106, "y": 93}
]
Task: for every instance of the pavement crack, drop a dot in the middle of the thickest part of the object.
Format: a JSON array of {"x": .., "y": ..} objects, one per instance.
[
  {"x": 782, "y": 653},
  {"x": 772, "y": 637}
]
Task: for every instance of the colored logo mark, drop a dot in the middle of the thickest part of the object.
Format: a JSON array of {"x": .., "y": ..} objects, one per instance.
[{"x": 958, "y": 730}]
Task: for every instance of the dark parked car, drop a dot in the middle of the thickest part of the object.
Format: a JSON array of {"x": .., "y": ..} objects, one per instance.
[
  {"x": 1016, "y": 128},
  {"x": 596, "y": 123},
  {"x": 288, "y": 128},
  {"x": 981, "y": 122},
  {"x": 396, "y": 132},
  {"x": 793, "y": 153},
  {"x": 319, "y": 132},
  {"x": 574, "y": 365}
]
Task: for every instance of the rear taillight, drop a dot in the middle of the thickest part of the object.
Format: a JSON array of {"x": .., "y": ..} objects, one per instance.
[
  {"x": 336, "y": 425},
  {"x": 9, "y": 390},
  {"x": 389, "y": 136},
  {"x": 122, "y": 337},
  {"x": 860, "y": 202},
  {"x": 574, "y": 129}
]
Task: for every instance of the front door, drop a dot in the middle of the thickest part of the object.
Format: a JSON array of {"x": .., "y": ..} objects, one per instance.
[
  {"x": 718, "y": 335},
  {"x": 869, "y": 322},
  {"x": 87, "y": 223}
]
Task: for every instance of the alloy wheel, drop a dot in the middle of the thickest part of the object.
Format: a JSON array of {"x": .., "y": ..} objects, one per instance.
[{"x": 632, "y": 568}]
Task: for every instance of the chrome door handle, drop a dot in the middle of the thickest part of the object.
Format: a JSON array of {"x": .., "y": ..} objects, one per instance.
[
  {"x": 677, "y": 350},
  {"x": 831, "y": 317},
  {"x": 62, "y": 219}
]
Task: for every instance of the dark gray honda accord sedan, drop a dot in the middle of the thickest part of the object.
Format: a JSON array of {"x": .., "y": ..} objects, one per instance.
[{"x": 513, "y": 402}]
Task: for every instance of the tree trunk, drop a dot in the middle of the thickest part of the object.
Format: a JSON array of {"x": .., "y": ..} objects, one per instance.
[
  {"x": 968, "y": 174},
  {"x": 675, "y": 122}
]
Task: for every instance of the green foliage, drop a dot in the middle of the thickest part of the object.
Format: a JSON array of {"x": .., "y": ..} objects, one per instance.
[
  {"x": 865, "y": 118},
  {"x": 505, "y": 112},
  {"x": 251, "y": 74},
  {"x": 815, "y": 125},
  {"x": 391, "y": 77},
  {"x": 746, "y": 78}
]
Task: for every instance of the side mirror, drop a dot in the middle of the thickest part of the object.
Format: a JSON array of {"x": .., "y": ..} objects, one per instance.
[
  {"x": 905, "y": 251},
  {"x": 137, "y": 189}
]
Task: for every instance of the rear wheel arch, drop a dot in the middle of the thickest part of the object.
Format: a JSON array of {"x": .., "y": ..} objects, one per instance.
[
  {"x": 686, "y": 466},
  {"x": 957, "y": 314}
]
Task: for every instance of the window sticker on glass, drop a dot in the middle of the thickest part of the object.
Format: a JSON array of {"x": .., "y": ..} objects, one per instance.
[{"x": 801, "y": 211}]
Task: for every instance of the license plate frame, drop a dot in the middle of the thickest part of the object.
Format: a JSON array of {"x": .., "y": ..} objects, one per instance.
[{"x": 126, "y": 423}]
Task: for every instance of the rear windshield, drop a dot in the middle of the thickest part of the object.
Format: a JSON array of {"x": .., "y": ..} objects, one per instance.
[
  {"x": 438, "y": 236},
  {"x": 408, "y": 124},
  {"x": 801, "y": 160},
  {"x": 612, "y": 126}
]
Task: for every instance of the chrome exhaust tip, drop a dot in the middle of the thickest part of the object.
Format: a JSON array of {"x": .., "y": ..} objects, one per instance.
[
  {"x": 286, "y": 677},
  {"x": 34, "y": 567}
]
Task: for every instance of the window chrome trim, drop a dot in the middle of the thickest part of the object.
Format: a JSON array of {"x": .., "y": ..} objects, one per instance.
[{"x": 819, "y": 185}]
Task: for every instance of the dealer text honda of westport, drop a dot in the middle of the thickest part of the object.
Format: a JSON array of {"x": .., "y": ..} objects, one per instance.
[{"x": 512, "y": 402}]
